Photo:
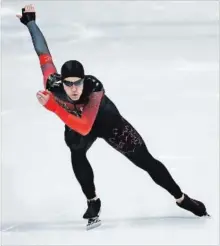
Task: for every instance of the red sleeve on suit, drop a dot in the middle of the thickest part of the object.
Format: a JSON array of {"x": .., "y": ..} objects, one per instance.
[
  {"x": 81, "y": 125},
  {"x": 47, "y": 66}
]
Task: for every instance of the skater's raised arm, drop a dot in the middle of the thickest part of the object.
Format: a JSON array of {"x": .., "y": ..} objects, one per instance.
[{"x": 39, "y": 42}]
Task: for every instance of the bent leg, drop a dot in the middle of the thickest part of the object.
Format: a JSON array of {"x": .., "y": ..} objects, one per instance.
[
  {"x": 84, "y": 173},
  {"x": 79, "y": 145}
]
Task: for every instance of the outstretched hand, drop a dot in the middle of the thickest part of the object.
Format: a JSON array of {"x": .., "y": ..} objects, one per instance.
[
  {"x": 28, "y": 14},
  {"x": 43, "y": 97},
  {"x": 46, "y": 99}
]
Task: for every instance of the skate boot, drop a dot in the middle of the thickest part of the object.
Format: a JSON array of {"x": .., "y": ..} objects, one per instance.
[
  {"x": 92, "y": 214},
  {"x": 194, "y": 206}
]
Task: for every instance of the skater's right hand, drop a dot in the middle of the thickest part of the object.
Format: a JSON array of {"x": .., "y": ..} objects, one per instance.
[
  {"x": 28, "y": 14},
  {"x": 46, "y": 99}
]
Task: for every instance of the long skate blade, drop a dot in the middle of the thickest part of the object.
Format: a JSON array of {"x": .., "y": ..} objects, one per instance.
[{"x": 93, "y": 223}]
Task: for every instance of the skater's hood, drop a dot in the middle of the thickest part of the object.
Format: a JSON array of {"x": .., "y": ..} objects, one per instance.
[{"x": 72, "y": 68}]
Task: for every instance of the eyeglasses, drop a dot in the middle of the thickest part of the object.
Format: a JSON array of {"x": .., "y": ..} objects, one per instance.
[{"x": 70, "y": 83}]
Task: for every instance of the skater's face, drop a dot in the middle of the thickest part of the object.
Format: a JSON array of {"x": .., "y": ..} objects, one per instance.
[{"x": 73, "y": 87}]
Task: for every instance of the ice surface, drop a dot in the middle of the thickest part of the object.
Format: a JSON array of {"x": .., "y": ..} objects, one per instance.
[{"x": 159, "y": 62}]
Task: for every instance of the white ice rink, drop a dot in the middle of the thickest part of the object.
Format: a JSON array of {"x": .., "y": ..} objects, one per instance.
[{"x": 159, "y": 63}]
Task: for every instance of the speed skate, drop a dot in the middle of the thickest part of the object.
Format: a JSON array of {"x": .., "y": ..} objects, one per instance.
[{"x": 93, "y": 223}]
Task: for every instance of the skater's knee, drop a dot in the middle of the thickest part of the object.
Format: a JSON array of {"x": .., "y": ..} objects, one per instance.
[
  {"x": 81, "y": 167},
  {"x": 77, "y": 156},
  {"x": 147, "y": 162}
]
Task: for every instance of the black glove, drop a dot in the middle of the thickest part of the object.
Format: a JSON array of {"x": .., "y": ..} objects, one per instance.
[
  {"x": 27, "y": 17},
  {"x": 53, "y": 81}
]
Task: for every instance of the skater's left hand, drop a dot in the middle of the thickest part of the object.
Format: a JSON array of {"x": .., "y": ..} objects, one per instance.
[{"x": 28, "y": 14}]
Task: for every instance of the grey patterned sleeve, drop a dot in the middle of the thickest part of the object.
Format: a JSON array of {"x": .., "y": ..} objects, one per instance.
[
  {"x": 39, "y": 42},
  {"x": 40, "y": 45}
]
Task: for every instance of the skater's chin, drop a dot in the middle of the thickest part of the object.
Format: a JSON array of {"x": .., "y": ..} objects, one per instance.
[{"x": 75, "y": 97}]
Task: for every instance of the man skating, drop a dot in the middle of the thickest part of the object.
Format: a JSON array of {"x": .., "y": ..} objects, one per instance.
[{"x": 80, "y": 101}]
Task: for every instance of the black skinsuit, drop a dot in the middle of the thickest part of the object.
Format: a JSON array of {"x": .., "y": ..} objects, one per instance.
[
  {"x": 116, "y": 131},
  {"x": 109, "y": 125}
]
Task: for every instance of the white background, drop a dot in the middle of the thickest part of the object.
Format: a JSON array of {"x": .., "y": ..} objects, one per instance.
[{"x": 159, "y": 63}]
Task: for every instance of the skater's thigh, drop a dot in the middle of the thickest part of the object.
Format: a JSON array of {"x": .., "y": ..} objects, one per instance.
[
  {"x": 77, "y": 142},
  {"x": 124, "y": 138},
  {"x": 128, "y": 142}
]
